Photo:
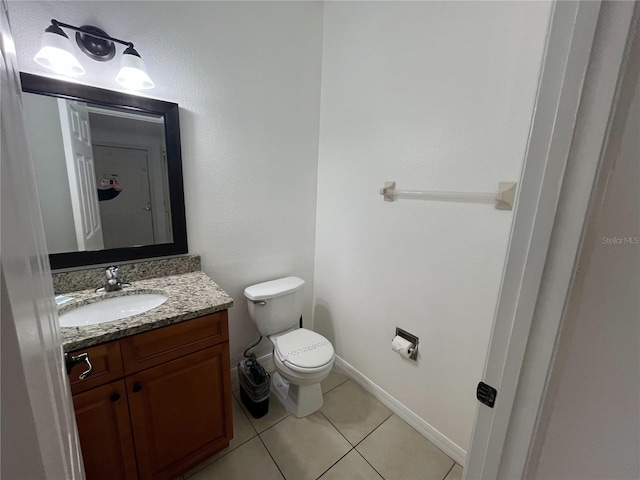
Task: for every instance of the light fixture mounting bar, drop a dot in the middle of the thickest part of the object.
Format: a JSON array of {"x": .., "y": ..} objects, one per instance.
[
  {"x": 57, "y": 53},
  {"x": 91, "y": 33}
]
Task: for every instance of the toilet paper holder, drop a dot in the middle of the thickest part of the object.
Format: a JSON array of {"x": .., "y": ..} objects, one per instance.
[{"x": 411, "y": 338}]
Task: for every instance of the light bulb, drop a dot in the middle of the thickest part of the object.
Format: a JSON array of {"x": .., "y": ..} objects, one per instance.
[
  {"x": 133, "y": 74},
  {"x": 56, "y": 53}
]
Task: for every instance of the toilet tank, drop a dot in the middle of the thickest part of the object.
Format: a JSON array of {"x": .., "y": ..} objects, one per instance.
[{"x": 275, "y": 306}]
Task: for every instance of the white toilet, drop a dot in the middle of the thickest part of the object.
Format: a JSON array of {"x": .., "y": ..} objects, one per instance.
[{"x": 303, "y": 358}]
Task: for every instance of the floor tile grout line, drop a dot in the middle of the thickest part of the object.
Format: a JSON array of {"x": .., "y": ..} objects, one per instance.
[
  {"x": 363, "y": 438},
  {"x": 272, "y": 459},
  {"x": 336, "y": 462},
  {"x": 365, "y": 458},
  {"x": 336, "y": 386},
  {"x": 246, "y": 416},
  {"x": 271, "y": 426},
  {"x": 372, "y": 431},
  {"x": 360, "y": 443},
  {"x": 255, "y": 434},
  {"x": 353, "y": 447},
  {"x": 288, "y": 414},
  {"x": 240, "y": 404},
  {"x": 334, "y": 426},
  {"x": 337, "y": 429},
  {"x": 449, "y": 471},
  {"x": 258, "y": 434},
  {"x": 377, "y": 427},
  {"x": 221, "y": 456},
  {"x": 368, "y": 462},
  {"x": 390, "y": 415}
]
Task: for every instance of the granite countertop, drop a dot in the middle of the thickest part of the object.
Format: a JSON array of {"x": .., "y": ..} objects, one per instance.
[{"x": 191, "y": 295}]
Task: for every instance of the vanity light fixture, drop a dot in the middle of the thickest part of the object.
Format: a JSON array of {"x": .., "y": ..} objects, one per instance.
[{"x": 57, "y": 53}]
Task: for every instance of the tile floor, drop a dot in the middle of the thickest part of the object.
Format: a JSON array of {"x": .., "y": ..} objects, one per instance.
[{"x": 352, "y": 437}]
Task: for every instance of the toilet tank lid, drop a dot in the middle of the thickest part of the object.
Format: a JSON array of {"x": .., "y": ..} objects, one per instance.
[{"x": 274, "y": 288}]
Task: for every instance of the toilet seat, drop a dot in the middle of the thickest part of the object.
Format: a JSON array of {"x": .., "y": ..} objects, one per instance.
[{"x": 304, "y": 351}]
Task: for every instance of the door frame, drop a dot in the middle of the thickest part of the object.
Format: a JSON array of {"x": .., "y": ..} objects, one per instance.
[
  {"x": 502, "y": 437},
  {"x": 38, "y": 422}
]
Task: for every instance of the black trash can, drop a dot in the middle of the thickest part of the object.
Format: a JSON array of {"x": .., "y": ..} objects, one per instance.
[{"x": 255, "y": 383}]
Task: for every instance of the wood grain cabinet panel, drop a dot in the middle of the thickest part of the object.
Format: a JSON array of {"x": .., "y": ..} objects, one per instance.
[
  {"x": 181, "y": 412},
  {"x": 102, "y": 416},
  {"x": 107, "y": 367},
  {"x": 169, "y": 408},
  {"x": 152, "y": 348}
]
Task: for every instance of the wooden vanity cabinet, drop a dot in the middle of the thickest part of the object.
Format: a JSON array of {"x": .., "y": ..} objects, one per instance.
[
  {"x": 102, "y": 416},
  {"x": 179, "y": 412},
  {"x": 169, "y": 411}
]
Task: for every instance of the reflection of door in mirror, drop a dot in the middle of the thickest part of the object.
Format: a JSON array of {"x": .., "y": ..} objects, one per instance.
[
  {"x": 126, "y": 219},
  {"x": 76, "y": 138},
  {"x": 75, "y": 145},
  {"x": 131, "y": 149},
  {"x": 51, "y": 126}
]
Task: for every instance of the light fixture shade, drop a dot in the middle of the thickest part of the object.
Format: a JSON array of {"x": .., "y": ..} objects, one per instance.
[
  {"x": 56, "y": 53},
  {"x": 133, "y": 74}
]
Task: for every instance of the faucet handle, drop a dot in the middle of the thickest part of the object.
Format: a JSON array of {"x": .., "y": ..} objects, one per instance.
[{"x": 111, "y": 273}]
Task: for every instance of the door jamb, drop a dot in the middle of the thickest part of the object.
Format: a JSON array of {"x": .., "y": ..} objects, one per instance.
[{"x": 570, "y": 37}]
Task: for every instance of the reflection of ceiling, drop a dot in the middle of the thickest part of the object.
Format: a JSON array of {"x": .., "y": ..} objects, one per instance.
[
  {"x": 116, "y": 112},
  {"x": 120, "y": 124}
]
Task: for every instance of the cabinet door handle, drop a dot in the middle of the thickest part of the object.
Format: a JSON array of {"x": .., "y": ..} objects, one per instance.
[
  {"x": 70, "y": 362},
  {"x": 115, "y": 397},
  {"x": 137, "y": 387}
]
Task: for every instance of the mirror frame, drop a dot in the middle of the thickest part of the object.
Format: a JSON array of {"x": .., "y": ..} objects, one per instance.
[{"x": 169, "y": 111}]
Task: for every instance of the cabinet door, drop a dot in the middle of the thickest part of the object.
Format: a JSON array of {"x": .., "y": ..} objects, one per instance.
[
  {"x": 102, "y": 416},
  {"x": 181, "y": 412}
]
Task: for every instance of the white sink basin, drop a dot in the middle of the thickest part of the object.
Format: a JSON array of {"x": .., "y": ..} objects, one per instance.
[{"x": 111, "y": 309}]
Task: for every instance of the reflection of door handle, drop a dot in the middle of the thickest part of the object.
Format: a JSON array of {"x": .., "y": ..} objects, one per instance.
[{"x": 148, "y": 209}]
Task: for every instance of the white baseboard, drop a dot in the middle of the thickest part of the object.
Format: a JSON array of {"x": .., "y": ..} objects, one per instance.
[
  {"x": 434, "y": 436},
  {"x": 426, "y": 430}
]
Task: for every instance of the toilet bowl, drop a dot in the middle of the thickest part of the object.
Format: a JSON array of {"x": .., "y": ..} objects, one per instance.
[{"x": 302, "y": 357}]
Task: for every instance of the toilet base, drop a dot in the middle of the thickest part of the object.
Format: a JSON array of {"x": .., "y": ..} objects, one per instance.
[{"x": 301, "y": 400}]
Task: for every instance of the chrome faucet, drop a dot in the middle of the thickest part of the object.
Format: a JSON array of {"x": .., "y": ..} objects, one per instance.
[{"x": 112, "y": 280}]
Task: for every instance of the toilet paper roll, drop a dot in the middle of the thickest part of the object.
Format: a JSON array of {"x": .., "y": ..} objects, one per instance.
[{"x": 402, "y": 346}]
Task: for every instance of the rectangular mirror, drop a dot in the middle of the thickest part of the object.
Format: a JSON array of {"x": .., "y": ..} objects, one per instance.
[{"x": 109, "y": 172}]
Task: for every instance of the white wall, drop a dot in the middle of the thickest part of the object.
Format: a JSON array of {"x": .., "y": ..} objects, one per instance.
[
  {"x": 596, "y": 380},
  {"x": 436, "y": 96},
  {"x": 45, "y": 135},
  {"x": 247, "y": 78}
]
